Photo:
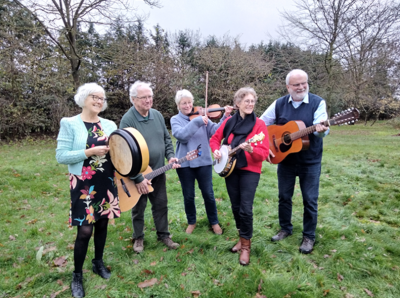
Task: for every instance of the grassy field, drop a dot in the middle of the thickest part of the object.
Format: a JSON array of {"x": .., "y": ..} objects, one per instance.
[{"x": 357, "y": 253}]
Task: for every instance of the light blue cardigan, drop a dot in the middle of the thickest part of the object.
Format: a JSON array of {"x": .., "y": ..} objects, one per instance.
[
  {"x": 71, "y": 141},
  {"x": 190, "y": 134}
]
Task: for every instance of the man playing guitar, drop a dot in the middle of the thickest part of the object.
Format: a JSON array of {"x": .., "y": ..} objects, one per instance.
[{"x": 301, "y": 105}]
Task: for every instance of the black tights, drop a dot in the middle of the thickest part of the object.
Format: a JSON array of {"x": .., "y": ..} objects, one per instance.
[{"x": 82, "y": 242}]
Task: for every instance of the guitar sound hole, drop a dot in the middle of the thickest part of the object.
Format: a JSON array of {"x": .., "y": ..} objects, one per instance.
[
  {"x": 286, "y": 143},
  {"x": 286, "y": 138}
]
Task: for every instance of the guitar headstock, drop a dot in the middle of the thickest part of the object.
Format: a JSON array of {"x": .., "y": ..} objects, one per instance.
[
  {"x": 257, "y": 138},
  {"x": 348, "y": 116},
  {"x": 193, "y": 154}
]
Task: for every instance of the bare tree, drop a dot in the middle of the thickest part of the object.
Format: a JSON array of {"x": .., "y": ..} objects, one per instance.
[
  {"x": 62, "y": 19},
  {"x": 321, "y": 26}
]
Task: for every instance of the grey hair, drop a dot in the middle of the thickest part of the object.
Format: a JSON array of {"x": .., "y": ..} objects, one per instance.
[
  {"x": 183, "y": 94},
  {"x": 242, "y": 92},
  {"x": 295, "y": 71},
  {"x": 133, "y": 91},
  {"x": 87, "y": 89}
]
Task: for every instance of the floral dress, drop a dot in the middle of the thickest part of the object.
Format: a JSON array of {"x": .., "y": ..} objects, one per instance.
[{"x": 93, "y": 193}]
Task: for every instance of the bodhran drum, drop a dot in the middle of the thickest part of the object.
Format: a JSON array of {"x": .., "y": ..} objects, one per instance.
[{"x": 129, "y": 152}]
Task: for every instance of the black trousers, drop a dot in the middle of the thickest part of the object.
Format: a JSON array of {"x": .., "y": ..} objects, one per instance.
[{"x": 241, "y": 186}]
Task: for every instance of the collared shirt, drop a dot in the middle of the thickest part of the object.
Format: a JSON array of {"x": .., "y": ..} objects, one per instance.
[
  {"x": 141, "y": 118},
  {"x": 320, "y": 114}
]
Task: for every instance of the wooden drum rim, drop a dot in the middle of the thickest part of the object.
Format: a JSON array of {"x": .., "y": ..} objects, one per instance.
[
  {"x": 139, "y": 152},
  {"x": 142, "y": 145}
]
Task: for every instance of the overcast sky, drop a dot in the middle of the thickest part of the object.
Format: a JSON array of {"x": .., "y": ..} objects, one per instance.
[{"x": 252, "y": 20}]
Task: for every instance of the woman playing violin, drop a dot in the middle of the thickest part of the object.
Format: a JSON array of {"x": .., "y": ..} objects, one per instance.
[
  {"x": 189, "y": 135},
  {"x": 243, "y": 181}
]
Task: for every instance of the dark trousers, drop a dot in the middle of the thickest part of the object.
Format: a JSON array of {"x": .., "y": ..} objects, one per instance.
[
  {"x": 309, "y": 184},
  {"x": 241, "y": 186},
  {"x": 159, "y": 209},
  {"x": 203, "y": 175}
]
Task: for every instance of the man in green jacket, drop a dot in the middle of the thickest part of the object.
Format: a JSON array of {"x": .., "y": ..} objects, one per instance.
[{"x": 150, "y": 123}]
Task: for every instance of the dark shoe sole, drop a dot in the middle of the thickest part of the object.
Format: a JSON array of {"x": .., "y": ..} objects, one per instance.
[
  {"x": 276, "y": 240},
  {"x": 305, "y": 252},
  {"x": 96, "y": 272}
]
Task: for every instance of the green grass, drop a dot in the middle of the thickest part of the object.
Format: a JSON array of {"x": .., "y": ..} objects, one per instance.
[{"x": 358, "y": 238}]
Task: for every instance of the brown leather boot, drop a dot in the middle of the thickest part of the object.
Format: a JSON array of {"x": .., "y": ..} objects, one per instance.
[
  {"x": 237, "y": 247},
  {"x": 245, "y": 252}
]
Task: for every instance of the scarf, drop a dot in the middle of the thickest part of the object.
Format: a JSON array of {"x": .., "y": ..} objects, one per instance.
[{"x": 240, "y": 128}]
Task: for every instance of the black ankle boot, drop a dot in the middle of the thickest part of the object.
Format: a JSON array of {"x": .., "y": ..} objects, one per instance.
[
  {"x": 100, "y": 269},
  {"x": 77, "y": 285}
]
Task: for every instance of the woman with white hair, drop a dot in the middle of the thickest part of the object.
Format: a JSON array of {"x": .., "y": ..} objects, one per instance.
[
  {"x": 81, "y": 144},
  {"x": 189, "y": 135}
]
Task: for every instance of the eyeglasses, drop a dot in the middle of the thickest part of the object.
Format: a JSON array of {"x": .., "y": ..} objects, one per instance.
[
  {"x": 145, "y": 97},
  {"x": 248, "y": 102},
  {"x": 98, "y": 98},
  {"x": 298, "y": 85}
]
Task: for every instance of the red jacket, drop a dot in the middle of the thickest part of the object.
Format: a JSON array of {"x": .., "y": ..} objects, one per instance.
[{"x": 260, "y": 152}]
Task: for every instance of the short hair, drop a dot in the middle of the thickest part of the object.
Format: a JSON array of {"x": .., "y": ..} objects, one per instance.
[
  {"x": 293, "y": 72},
  {"x": 85, "y": 90},
  {"x": 183, "y": 94},
  {"x": 133, "y": 91},
  {"x": 242, "y": 92}
]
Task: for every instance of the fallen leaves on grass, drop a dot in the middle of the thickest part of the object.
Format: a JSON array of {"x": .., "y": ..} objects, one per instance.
[
  {"x": 195, "y": 293},
  {"x": 258, "y": 295},
  {"x": 52, "y": 248},
  {"x": 60, "y": 262},
  {"x": 147, "y": 272},
  {"x": 102, "y": 287},
  {"x": 147, "y": 283},
  {"x": 369, "y": 292},
  {"x": 11, "y": 238},
  {"x": 153, "y": 263},
  {"x": 340, "y": 277},
  {"x": 54, "y": 295}
]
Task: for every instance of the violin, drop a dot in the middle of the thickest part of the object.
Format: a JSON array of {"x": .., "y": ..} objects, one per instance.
[{"x": 213, "y": 112}]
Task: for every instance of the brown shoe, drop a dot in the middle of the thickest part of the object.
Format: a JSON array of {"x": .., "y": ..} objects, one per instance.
[
  {"x": 217, "y": 229},
  {"x": 280, "y": 236},
  {"x": 138, "y": 245},
  {"x": 244, "y": 258},
  {"x": 169, "y": 243},
  {"x": 190, "y": 228},
  {"x": 307, "y": 245},
  {"x": 237, "y": 247}
]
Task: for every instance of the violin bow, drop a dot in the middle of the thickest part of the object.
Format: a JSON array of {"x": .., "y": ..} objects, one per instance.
[{"x": 205, "y": 107}]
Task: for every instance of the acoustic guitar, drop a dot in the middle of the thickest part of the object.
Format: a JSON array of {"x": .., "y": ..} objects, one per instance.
[
  {"x": 293, "y": 136},
  {"x": 127, "y": 191},
  {"x": 225, "y": 165}
]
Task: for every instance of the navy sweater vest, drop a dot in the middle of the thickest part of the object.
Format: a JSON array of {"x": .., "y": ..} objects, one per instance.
[{"x": 285, "y": 112}]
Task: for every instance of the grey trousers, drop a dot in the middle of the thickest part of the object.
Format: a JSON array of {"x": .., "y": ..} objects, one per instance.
[{"x": 159, "y": 209}]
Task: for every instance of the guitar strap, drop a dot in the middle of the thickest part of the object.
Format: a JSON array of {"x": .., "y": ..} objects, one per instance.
[{"x": 240, "y": 128}]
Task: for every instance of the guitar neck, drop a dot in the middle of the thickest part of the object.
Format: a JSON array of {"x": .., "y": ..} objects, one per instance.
[
  {"x": 309, "y": 130},
  {"x": 163, "y": 169},
  {"x": 234, "y": 150}
]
